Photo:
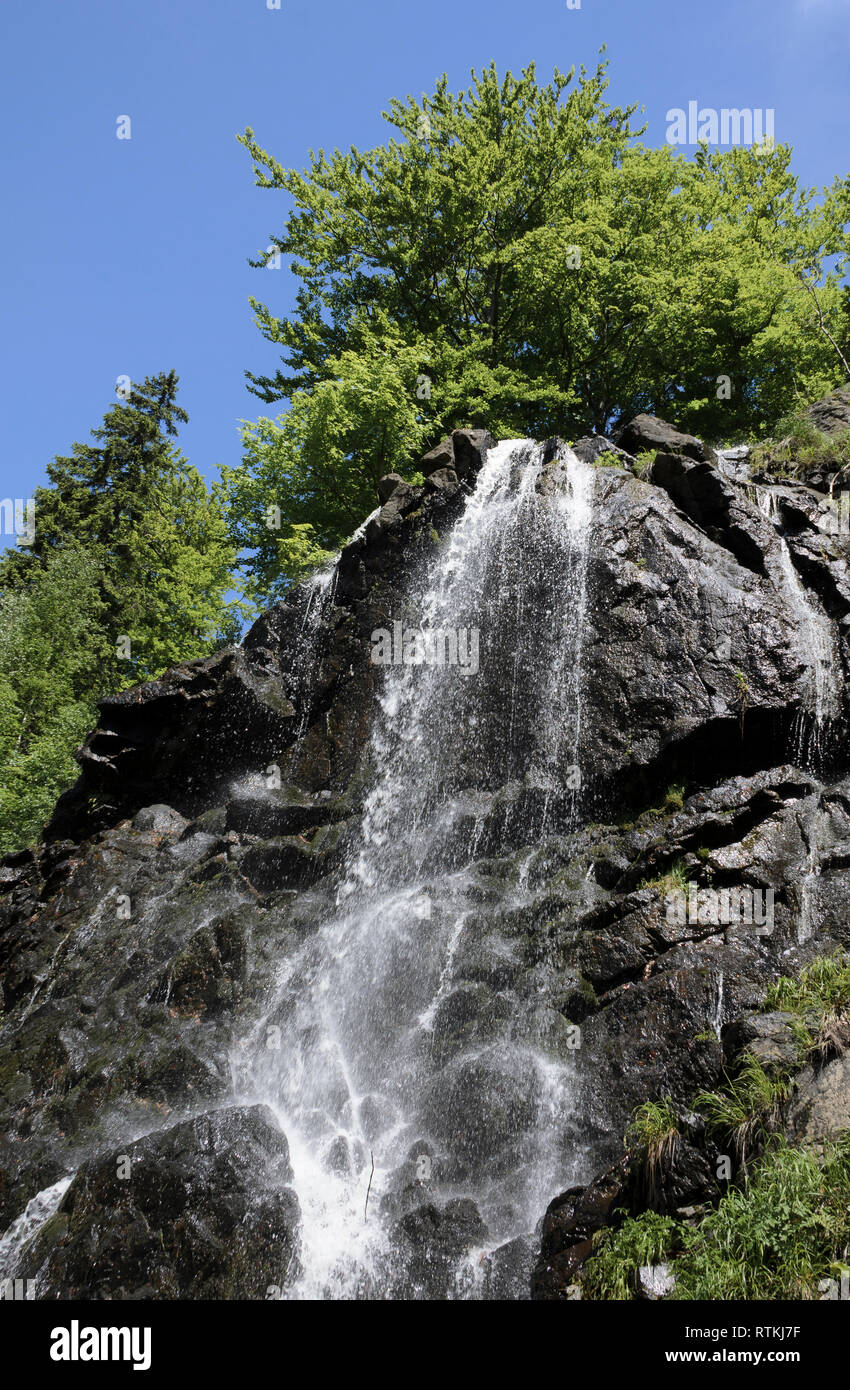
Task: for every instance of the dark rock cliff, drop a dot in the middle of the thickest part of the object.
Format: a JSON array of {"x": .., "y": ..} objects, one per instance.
[{"x": 217, "y": 807}]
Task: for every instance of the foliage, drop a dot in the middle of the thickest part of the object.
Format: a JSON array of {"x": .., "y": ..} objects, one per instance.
[
  {"x": 52, "y": 650},
  {"x": 798, "y": 447},
  {"x": 820, "y": 997},
  {"x": 611, "y": 1271},
  {"x": 160, "y": 538},
  {"x": 775, "y": 1237},
  {"x": 651, "y": 1138},
  {"x": 548, "y": 273},
  {"x": 644, "y": 462},
  {"x": 320, "y": 463},
  {"x": 748, "y": 1107},
  {"x": 128, "y": 574},
  {"x": 675, "y": 880}
]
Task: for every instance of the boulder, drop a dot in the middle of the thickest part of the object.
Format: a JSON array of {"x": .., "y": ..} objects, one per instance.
[
  {"x": 646, "y": 433},
  {"x": 570, "y": 1222},
  {"x": 820, "y": 1110},
  {"x": 442, "y": 479},
  {"x": 769, "y": 1037},
  {"x": 429, "y": 1244},
  {"x": 832, "y": 414},
  {"x": 442, "y": 457},
  {"x": 388, "y": 484},
  {"x": 470, "y": 451},
  {"x": 201, "y": 1211}
]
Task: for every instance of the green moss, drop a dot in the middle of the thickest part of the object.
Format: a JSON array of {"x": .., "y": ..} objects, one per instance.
[{"x": 674, "y": 881}]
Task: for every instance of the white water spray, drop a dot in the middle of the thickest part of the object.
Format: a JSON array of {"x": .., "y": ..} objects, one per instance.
[
  {"x": 816, "y": 636},
  {"x": 411, "y": 1037}
]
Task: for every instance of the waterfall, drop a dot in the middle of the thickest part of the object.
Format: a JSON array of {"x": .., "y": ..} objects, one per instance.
[
  {"x": 718, "y": 1007},
  {"x": 405, "y": 1050},
  {"x": 817, "y": 643},
  {"x": 808, "y": 886},
  {"x": 37, "y": 1210}
]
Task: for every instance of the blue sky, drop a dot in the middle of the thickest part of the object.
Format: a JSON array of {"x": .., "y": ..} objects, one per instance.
[{"x": 130, "y": 256}]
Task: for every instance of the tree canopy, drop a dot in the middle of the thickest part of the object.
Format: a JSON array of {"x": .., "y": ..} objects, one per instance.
[{"x": 513, "y": 256}]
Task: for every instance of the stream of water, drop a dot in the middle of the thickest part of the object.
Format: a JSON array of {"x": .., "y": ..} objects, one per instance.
[{"x": 370, "y": 1069}]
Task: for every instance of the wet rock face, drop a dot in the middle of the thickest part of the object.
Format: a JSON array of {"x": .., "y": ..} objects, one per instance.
[
  {"x": 219, "y": 808},
  {"x": 200, "y": 1210}
]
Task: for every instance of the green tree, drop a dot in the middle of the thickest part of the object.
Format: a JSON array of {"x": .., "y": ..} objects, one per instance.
[
  {"x": 159, "y": 536},
  {"x": 549, "y": 273},
  {"x": 308, "y": 480},
  {"x": 52, "y": 650}
]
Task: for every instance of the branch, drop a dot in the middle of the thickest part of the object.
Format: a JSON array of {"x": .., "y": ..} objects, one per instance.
[{"x": 823, "y": 326}]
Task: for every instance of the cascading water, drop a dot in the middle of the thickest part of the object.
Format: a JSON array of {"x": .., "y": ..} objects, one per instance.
[
  {"x": 402, "y": 1033},
  {"x": 817, "y": 645}
]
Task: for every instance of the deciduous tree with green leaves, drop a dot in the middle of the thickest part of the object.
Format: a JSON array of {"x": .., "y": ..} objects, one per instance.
[{"x": 550, "y": 274}]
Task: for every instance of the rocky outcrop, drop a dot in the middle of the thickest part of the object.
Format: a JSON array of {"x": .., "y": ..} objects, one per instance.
[
  {"x": 821, "y": 1107},
  {"x": 201, "y": 1210},
  {"x": 832, "y": 414},
  {"x": 646, "y": 433},
  {"x": 204, "y": 842}
]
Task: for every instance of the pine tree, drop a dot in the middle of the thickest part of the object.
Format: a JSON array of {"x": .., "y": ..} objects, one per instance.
[{"x": 159, "y": 537}]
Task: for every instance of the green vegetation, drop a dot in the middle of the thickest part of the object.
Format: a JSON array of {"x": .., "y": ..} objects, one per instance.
[
  {"x": 128, "y": 573},
  {"x": 798, "y": 447},
  {"x": 651, "y": 1138},
  {"x": 820, "y": 997},
  {"x": 644, "y": 462},
  {"x": 619, "y": 1254},
  {"x": 748, "y": 1108},
  {"x": 52, "y": 651},
  {"x": 320, "y": 463},
  {"x": 674, "y": 881},
  {"x": 776, "y": 1237},
  {"x": 513, "y": 257},
  {"x": 784, "y": 1225}
]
